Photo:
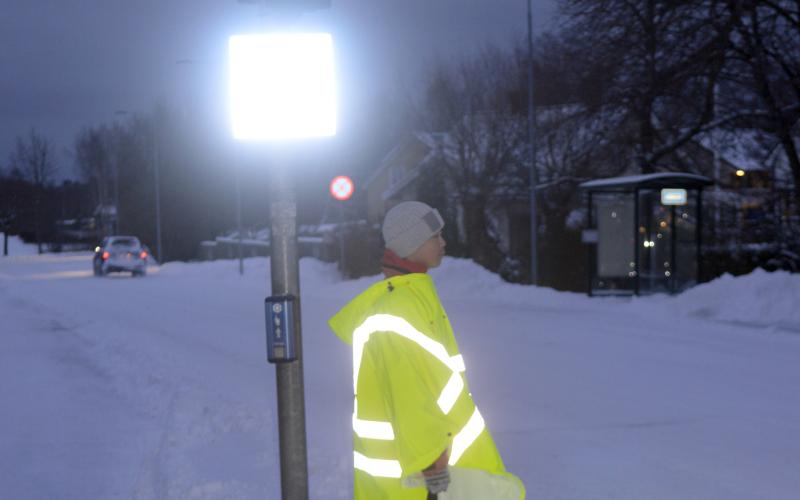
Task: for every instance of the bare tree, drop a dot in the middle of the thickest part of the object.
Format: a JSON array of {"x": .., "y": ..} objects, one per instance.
[
  {"x": 196, "y": 199},
  {"x": 34, "y": 158},
  {"x": 662, "y": 61},
  {"x": 763, "y": 76},
  {"x": 481, "y": 151},
  {"x": 479, "y": 108}
]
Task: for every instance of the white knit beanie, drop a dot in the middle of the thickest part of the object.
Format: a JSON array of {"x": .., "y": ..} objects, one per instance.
[{"x": 409, "y": 225}]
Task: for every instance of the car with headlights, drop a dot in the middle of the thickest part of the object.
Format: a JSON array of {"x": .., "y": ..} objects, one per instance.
[{"x": 120, "y": 254}]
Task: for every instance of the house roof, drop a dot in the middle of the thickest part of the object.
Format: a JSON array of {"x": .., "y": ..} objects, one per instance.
[
  {"x": 741, "y": 148},
  {"x": 428, "y": 139},
  {"x": 653, "y": 181}
]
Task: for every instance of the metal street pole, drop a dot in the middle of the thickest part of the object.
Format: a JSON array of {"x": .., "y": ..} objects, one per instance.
[
  {"x": 717, "y": 162},
  {"x": 239, "y": 220},
  {"x": 285, "y": 273},
  {"x": 116, "y": 196},
  {"x": 118, "y": 113},
  {"x": 342, "y": 263},
  {"x": 156, "y": 176},
  {"x": 534, "y": 176},
  {"x": 251, "y": 123}
]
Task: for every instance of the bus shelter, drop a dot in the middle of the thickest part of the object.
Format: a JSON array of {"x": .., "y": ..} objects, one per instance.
[{"x": 644, "y": 233}]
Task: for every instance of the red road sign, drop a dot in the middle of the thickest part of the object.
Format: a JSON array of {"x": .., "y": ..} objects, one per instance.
[{"x": 342, "y": 188}]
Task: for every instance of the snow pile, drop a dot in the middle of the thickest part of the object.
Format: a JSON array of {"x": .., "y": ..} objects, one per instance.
[
  {"x": 760, "y": 298},
  {"x": 17, "y": 247},
  {"x": 464, "y": 280}
]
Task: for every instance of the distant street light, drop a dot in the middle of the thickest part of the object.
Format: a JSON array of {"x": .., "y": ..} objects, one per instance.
[
  {"x": 155, "y": 160},
  {"x": 157, "y": 183},
  {"x": 118, "y": 113},
  {"x": 282, "y": 88}
]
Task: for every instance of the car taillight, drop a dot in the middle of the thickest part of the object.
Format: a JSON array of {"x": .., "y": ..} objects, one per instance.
[
  {"x": 106, "y": 255},
  {"x": 143, "y": 255}
]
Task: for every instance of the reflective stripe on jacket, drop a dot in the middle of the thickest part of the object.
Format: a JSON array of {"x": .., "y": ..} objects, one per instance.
[{"x": 411, "y": 399}]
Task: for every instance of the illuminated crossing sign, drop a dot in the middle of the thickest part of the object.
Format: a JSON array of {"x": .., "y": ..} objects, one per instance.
[{"x": 673, "y": 197}]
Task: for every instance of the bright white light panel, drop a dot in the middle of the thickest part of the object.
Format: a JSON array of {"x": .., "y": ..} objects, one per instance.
[
  {"x": 673, "y": 197},
  {"x": 282, "y": 86}
]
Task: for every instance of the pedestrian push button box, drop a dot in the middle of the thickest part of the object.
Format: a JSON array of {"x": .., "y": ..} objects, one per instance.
[{"x": 279, "y": 311}]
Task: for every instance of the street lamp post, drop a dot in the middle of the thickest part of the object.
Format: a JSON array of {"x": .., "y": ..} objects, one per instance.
[
  {"x": 157, "y": 182},
  {"x": 117, "y": 113},
  {"x": 155, "y": 160},
  {"x": 342, "y": 188},
  {"x": 534, "y": 176},
  {"x": 285, "y": 273},
  {"x": 189, "y": 104},
  {"x": 281, "y": 90},
  {"x": 116, "y": 196}
]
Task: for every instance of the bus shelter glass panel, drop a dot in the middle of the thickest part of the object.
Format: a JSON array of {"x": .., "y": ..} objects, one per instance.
[
  {"x": 685, "y": 274},
  {"x": 614, "y": 256},
  {"x": 667, "y": 240},
  {"x": 654, "y": 239}
]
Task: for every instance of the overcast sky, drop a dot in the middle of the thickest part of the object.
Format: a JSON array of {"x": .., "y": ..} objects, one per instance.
[{"x": 67, "y": 64}]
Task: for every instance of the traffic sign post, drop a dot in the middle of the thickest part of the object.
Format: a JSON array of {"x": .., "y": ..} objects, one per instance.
[{"x": 342, "y": 189}]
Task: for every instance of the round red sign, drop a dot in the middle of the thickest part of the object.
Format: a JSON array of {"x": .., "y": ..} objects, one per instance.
[{"x": 342, "y": 188}]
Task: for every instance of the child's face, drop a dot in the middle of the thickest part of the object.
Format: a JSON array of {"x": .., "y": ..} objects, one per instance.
[{"x": 430, "y": 253}]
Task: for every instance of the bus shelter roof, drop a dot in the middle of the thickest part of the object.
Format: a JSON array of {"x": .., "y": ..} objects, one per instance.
[{"x": 662, "y": 180}]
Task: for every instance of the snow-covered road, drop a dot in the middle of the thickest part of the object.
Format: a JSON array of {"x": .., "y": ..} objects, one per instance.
[{"x": 158, "y": 387}]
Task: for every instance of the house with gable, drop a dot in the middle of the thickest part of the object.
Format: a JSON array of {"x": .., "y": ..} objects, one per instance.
[
  {"x": 396, "y": 178},
  {"x": 415, "y": 169}
]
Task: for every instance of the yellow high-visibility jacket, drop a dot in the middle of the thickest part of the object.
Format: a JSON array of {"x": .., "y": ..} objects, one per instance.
[{"x": 411, "y": 399}]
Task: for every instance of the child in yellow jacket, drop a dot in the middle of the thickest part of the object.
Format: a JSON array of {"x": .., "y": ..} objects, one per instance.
[{"x": 416, "y": 431}]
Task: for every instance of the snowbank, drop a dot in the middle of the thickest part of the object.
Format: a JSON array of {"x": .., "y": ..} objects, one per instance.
[
  {"x": 760, "y": 298},
  {"x": 17, "y": 247}
]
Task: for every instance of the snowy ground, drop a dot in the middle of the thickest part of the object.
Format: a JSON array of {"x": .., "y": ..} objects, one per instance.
[{"x": 158, "y": 387}]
